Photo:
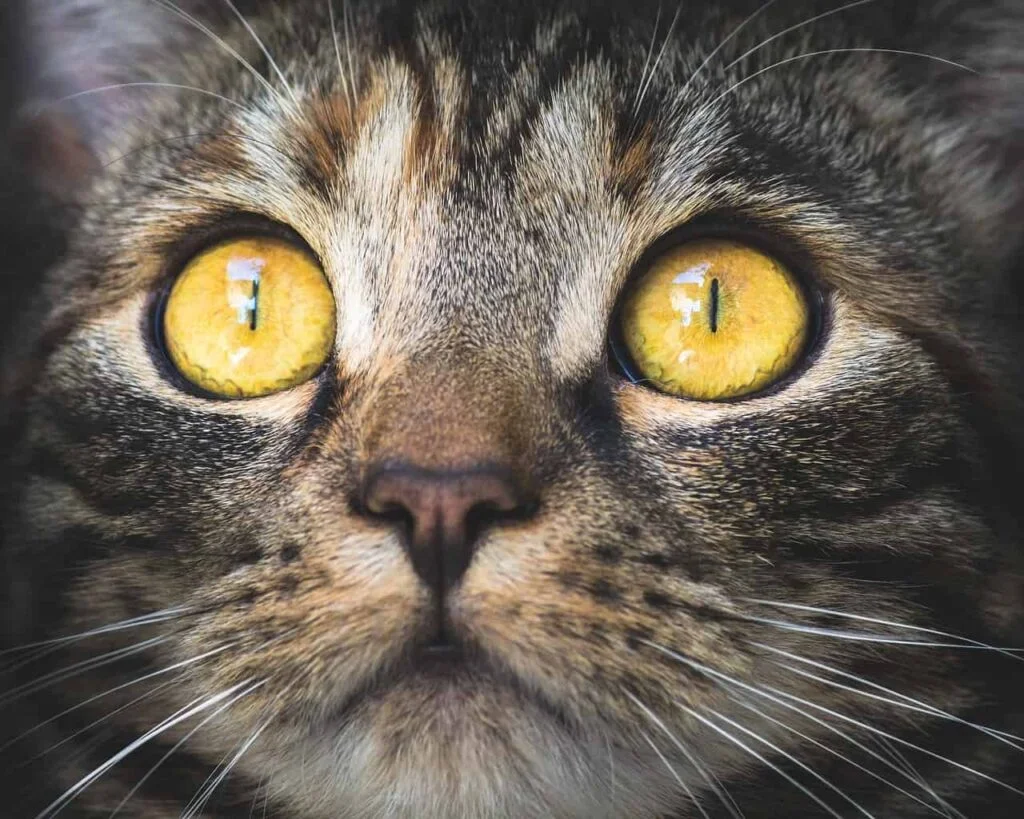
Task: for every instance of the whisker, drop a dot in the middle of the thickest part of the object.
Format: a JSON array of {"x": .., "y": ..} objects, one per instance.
[
  {"x": 786, "y": 755},
  {"x": 716, "y": 786},
  {"x": 207, "y": 719},
  {"x": 262, "y": 47},
  {"x": 825, "y": 52},
  {"x": 901, "y": 701},
  {"x": 134, "y": 622},
  {"x": 255, "y": 798},
  {"x": 1008, "y": 651},
  {"x": 913, "y": 777},
  {"x": 753, "y": 16},
  {"x": 758, "y": 756},
  {"x": 136, "y": 681},
  {"x": 645, "y": 86},
  {"x": 870, "y": 637},
  {"x": 223, "y": 774},
  {"x": 70, "y": 738},
  {"x": 172, "y": 8},
  {"x": 117, "y": 86},
  {"x": 838, "y": 715},
  {"x": 903, "y": 766},
  {"x": 675, "y": 774},
  {"x": 786, "y": 31},
  {"x": 647, "y": 59},
  {"x": 348, "y": 48},
  {"x": 743, "y": 702},
  {"x": 337, "y": 52},
  {"x": 198, "y": 803},
  {"x": 78, "y": 668},
  {"x": 196, "y": 706}
]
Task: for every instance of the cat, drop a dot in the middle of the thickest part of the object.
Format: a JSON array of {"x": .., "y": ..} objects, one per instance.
[{"x": 465, "y": 410}]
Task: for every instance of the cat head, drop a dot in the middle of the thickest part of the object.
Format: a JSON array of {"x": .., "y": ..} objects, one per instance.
[{"x": 472, "y": 537}]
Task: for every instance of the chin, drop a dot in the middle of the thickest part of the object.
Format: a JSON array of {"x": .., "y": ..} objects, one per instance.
[{"x": 464, "y": 745}]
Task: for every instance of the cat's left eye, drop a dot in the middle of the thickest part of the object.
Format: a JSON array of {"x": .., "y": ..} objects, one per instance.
[
  {"x": 714, "y": 319},
  {"x": 249, "y": 317}
]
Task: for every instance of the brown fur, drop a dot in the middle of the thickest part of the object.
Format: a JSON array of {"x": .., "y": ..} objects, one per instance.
[{"x": 480, "y": 185}]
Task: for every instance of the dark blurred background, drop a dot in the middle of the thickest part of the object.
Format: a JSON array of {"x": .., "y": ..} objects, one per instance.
[{"x": 28, "y": 239}]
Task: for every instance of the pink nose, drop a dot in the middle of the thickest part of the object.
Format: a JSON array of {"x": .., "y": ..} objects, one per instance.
[{"x": 443, "y": 512}]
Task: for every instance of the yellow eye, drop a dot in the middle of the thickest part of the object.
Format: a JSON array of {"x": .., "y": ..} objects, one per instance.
[
  {"x": 715, "y": 319},
  {"x": 249, "y": 317}
]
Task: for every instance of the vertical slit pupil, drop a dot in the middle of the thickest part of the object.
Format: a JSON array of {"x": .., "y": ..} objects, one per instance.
[
  {"x": 255, "y": 303},
  {"x": 714, "y": 306}
]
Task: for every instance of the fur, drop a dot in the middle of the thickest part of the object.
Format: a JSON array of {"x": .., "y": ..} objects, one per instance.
[{"x": 481, "y": 182}]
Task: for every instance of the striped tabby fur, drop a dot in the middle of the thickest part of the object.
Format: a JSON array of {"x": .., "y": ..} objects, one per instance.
[{"x": 791, "y": 606}]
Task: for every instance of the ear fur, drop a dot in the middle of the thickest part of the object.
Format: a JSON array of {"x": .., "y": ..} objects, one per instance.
[
  {"x": 985, "y": 106},
  {"x": 76, "y": 49}
]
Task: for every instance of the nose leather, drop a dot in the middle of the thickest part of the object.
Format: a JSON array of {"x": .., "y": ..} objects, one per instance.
[{"x": 444, "y": 512}]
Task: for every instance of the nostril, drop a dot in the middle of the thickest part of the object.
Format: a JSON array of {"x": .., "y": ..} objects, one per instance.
[{"x": 443, "y": 513}]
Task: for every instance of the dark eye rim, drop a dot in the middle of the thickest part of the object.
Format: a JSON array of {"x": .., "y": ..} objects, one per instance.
[
  {"x": 182, "y": 250},
  {"x": 735, "y": 227}
]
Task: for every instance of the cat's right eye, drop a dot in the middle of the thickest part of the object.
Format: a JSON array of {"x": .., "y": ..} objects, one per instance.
[{"x": 249, "y": 317}]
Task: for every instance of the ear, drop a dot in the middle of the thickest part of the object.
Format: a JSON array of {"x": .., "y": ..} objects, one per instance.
[
  {"x": 984, "y": 107},
  {"x": 70, "y": 117}
]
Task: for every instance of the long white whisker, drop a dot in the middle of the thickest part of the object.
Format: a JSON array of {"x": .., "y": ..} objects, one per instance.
[
  {"x": 825, "y": 52},
  {"x": 719, "y": 790},
  {"x": 171, "y": 8},
  {"x": 198, "y": 803},
  {"x": 902, "y": 765},
  {"x": 75, "y": 669},
  {"x": 134, "y": 622},
  {"x": 654, "y": 68},
  {"x": 72, "y": 737},
  {"x": 348, "y": 49},
  {"x": 725, "y": 679},
  {"x": 255, "y": 798},
  {"x": 759, "y": 757},
  {"x": 803, "y": 766},
  {"x": 675, "y": 774},
  {"x": 337, "y": 52},
  {"x": 869, "y": 637},
  {"x": 209, "y": 718},
  {"x": 785, "y": 31},
  {"x": 753, "y": 16},
  {"x": 647, "y": 60},
  {"x": 744, "y": 703},
  {"x": 897, "y": 699},
  {"x": 196, "y": 706},
  {"x": 262, "y": 47},
  {"x": 914, "y": 778},
  {"x": 116, "y": 86},
  {"x": 1010, "y": 652},
  {"x": 136, "y": 681},
  {"x": 838, "y": 715}
]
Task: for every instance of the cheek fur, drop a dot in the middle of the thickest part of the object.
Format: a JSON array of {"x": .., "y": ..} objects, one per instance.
[{"x": 802, "y": 603}]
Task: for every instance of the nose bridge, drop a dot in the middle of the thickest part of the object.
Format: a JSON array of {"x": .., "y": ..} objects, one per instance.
[
  {"x": 449, "y": 411},
  {"x": 445, "y": 456}
]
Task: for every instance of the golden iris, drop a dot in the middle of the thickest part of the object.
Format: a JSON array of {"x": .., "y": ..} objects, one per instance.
[
  {"x": 249, "y": 317},
  {"x": 714, "y": 319}
]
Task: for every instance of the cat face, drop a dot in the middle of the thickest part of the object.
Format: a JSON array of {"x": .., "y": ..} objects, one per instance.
[{"x": 478, "y": 561}]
